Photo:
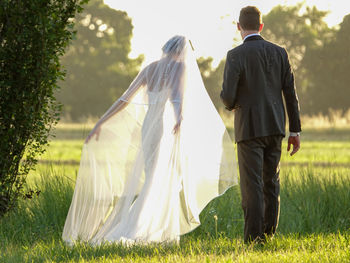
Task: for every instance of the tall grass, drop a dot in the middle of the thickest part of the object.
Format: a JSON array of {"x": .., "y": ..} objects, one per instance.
[
  {"x": 315, "y": 201},
  {"x": 314, "y": 224},
  {"x": 312, "y": 201},
  {"x": 42, "y": 217}
]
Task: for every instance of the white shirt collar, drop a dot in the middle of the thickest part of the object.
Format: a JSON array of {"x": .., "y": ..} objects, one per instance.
[{"x": 250, "y": 35}]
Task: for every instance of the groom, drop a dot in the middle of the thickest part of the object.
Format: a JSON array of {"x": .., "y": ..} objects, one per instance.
[{"x": 256, "y": 75}]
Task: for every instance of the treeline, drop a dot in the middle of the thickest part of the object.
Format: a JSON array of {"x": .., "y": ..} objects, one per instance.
[{"x": 99, "y": 70}]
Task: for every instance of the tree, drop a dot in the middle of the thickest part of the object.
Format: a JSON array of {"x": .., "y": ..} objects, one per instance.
[
  {"x": 99, "y": 69},
  {"x": 300, "y": 32},
  {"x": 328, "y": 68},
  {"x": 296, "y": 31},
  {"x": 33, "y": 35}
]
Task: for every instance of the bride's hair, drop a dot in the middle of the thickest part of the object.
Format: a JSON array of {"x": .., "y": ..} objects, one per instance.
[{"x": 174, "y": 46}]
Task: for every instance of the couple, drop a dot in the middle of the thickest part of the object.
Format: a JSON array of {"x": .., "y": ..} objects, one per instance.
[{"x": 161, "y": 152}]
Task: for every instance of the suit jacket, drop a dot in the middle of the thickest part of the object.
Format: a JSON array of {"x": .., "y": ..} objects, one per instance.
[{"x": 256, "y": 75}]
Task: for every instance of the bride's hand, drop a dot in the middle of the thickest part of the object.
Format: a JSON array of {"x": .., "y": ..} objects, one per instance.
[
  {"x": 176, "y": 128},
  {"x": 96, "y": 131}
]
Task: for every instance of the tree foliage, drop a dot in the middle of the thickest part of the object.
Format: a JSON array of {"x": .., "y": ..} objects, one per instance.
[
  {"x": 99, "y": 69},
  {"x": 301, "y": 31},
  {"x": 320, "y": 55},
  {"x": 296, "y": 30},
  {"x": 328, "y": 69},
  {"x": 33, "y": 36}
]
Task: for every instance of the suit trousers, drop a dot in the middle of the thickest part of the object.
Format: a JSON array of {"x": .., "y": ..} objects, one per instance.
[{"x": 258, "y": 161}]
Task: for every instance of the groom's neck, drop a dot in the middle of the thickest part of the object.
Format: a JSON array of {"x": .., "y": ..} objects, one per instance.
[{"x": 248, "y": 32}]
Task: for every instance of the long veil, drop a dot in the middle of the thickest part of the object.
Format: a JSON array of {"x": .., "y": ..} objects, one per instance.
[{"x": 141, "y": 159}]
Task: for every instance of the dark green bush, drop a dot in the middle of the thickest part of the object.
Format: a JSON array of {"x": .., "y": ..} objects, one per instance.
[{"x": 33, "y": 37}]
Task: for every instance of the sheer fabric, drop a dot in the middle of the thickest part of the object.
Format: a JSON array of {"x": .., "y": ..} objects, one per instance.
[{"x": 140, "y": 181}]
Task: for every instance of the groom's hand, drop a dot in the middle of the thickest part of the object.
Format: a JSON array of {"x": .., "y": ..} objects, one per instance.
[{"x": 295, "y": 141}]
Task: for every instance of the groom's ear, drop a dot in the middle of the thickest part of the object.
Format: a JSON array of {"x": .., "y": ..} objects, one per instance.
[
  {"x": 261, "y": 27},
  {"x": 239, "y": 27}
]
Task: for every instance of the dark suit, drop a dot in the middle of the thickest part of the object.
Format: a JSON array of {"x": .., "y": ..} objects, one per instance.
[{"x": 256, "y": 75}]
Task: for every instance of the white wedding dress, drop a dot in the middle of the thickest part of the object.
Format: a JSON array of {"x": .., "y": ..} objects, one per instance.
[{"x": 140, "y": 182}]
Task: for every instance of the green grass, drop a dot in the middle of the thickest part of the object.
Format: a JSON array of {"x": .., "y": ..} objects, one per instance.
[
  {"x": 318, "y": 152},
  {"x": 314, "y": 222},
  {"x": 63, "y": 151},
  {"x": 292, "y": 248}
]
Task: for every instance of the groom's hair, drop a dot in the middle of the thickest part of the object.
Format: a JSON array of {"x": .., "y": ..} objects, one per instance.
[{"x": 250, "y": 18}]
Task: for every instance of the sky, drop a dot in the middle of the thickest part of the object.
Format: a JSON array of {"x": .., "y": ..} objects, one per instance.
[{"x": 208, "y": 23}]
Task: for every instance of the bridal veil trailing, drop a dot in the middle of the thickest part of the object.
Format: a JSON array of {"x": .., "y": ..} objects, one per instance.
[{"x": 162, "y": 153}]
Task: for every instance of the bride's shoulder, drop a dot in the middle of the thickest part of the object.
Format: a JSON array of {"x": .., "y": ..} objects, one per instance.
[
  {"x": 152, "y": 66},
  {"x": 154, "y": 63}
]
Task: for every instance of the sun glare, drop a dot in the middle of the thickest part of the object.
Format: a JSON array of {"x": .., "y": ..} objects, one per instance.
[{"x": 209, "y": 24}]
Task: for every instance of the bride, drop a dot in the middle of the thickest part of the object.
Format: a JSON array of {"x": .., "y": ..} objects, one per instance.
[{"x": 155, "y": 158}]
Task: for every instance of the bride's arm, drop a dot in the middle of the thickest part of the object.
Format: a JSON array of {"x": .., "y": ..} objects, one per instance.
[
  {"x": 120, "y": 104},
  {"x": 178, "y": 113},
  {"x": 177, "y": 99}
]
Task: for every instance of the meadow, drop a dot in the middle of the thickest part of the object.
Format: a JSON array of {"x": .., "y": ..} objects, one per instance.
[{"x": 314, "y": 220}]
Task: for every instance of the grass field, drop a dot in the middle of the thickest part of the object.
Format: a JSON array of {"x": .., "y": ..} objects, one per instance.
[{"x": 314, "y": 221}]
